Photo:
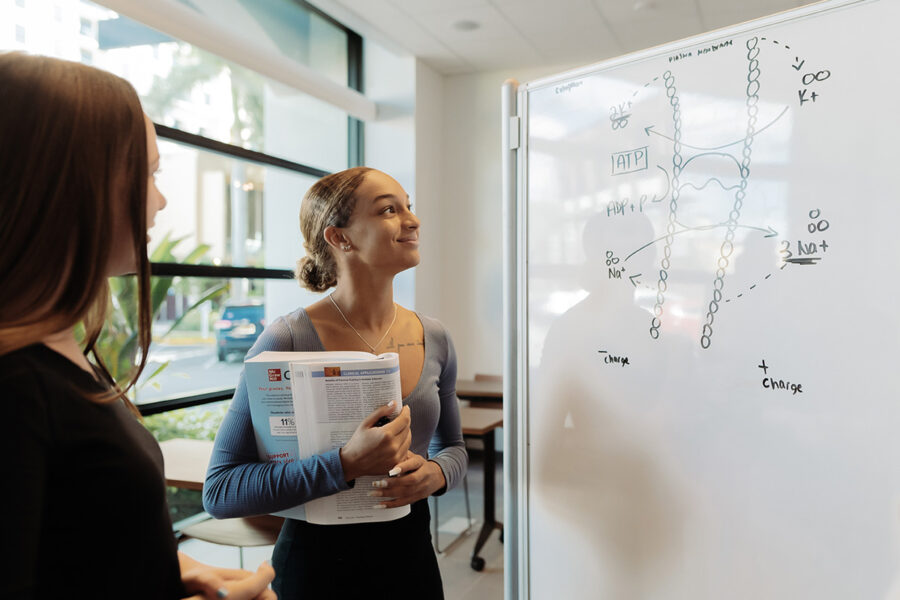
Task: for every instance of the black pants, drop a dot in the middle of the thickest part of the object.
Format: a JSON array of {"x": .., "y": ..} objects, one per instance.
[{"x": 392, "y": 560}]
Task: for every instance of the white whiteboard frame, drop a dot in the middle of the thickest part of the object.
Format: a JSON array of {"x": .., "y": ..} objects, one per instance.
[
  {"x": 513, "y": 465},
  {"x": 516, "y": 405}
]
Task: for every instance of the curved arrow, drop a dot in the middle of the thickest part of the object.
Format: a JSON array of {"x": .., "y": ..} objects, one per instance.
[
  {"x": 649, "y": 130},
  {"x": 770, "y": 232},
  {"x": 668, "y": 185}
]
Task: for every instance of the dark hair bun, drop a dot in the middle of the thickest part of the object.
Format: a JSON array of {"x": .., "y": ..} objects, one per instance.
[{"x": 313, "y": 277}]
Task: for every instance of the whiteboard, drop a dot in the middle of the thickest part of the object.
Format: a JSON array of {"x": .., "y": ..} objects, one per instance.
[{"x": 709, "y": 328}]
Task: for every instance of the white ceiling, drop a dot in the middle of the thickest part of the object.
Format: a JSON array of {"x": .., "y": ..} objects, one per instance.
[{"x": 529, "y": 33}]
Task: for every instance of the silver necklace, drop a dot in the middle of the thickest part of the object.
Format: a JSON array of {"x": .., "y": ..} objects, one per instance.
[{"x": 388, "y": 330}]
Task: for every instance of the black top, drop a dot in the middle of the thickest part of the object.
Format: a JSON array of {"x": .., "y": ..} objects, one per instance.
[{"x": 83, "y": 510}]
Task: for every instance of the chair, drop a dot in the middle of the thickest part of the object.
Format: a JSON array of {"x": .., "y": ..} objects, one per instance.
[
  {"x": 437, "y": 544},
  {"x": 244, "y": 532},
  {"x": 434, "y": 521}
]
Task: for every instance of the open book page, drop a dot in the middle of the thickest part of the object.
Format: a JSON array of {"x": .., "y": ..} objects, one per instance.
[
  {"x": 268, "y": 379},
  {"x": 330, "y": 399}
]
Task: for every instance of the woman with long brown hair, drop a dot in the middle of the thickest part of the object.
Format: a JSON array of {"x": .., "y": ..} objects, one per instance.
[
  {"x": 360, "y": 232},
  {"x": 84, "y": 508}
]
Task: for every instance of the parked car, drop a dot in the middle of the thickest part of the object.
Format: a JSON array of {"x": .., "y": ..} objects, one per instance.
[{"x": 238, "y": 328}]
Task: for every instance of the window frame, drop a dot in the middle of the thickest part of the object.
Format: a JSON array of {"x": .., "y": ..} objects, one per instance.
[{"x": 355, "y": 157}]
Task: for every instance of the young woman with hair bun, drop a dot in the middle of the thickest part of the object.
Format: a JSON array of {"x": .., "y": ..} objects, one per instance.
[
  {"x": 84, "y": 504},
  {"x": 360, "y": 232}
]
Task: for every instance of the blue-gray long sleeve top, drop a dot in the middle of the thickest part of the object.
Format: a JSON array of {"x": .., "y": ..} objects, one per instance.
[{"x": 239, "y": 484}]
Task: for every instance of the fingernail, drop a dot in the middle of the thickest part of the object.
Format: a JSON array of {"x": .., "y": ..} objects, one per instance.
[
  {"x": 391, "y": 403},
  {"x": 221, "y": 593},
  {"x": 375, "y": 494},
  {"x": 380, "y": 483},
  {"x": 394, "y": 472},
  {"x": 379, "y": 506}
]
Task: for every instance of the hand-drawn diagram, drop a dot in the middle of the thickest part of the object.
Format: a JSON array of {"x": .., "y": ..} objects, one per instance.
[
  {"x": 715, "y": 177},
  {"x": 707, "y": 236}
]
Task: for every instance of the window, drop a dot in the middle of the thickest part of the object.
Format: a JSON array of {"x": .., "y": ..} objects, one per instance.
[
  {"x": 176, "y": 79},
  {"x": 20, "y": 34},
  {"x": 237, "y": 154}
]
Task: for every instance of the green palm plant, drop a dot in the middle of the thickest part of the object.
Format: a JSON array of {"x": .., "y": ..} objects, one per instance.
[{"x": 117, "y": 344}]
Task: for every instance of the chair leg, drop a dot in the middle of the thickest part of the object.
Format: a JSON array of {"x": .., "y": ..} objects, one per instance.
[
  {"x": 436, "y": 517},
  {"x": 434, "y": 527},
  {"x": 466, "y": 489}
]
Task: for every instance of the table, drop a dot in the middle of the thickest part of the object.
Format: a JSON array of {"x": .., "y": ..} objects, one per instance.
[
  {"x": 185, "y": 467},
  {"x": 186, "y": 462},
  {"x": 484, "y": 394},
  {"x": 480, "y": 423}
]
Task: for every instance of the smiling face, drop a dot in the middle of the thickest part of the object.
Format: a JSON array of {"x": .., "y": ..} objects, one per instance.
[{"x": 383, "y": 233}]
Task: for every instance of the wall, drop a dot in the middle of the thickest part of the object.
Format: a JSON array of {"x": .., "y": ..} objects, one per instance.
[
  {"x": 390, "y": 140},
  {"x": 460, "y": 282},
  {"x": 439, "y": 136},
  {"x": 427, "y": 199}
]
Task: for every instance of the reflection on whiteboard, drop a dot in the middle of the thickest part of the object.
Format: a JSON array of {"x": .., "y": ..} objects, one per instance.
[{"x": 712, "y": 334}]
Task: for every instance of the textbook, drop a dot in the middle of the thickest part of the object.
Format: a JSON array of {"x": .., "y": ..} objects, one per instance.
[{"x": 307, "y": 403}]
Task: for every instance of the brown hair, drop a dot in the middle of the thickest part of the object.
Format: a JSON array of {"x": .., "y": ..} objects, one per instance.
[
  {"x": 73, "y": 156},
  {"x": 329, "y": 202}
]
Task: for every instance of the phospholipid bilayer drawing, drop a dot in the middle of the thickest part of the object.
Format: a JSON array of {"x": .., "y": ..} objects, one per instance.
[
  {"x": 678, "y": 165},
  {"x": 692, "y": 164}
]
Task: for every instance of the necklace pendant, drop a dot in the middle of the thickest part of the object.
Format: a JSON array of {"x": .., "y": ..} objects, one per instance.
[{"x": 358, "y": 334}]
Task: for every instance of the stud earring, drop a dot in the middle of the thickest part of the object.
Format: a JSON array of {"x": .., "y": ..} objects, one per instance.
[{"x": 346, "y": 247}]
